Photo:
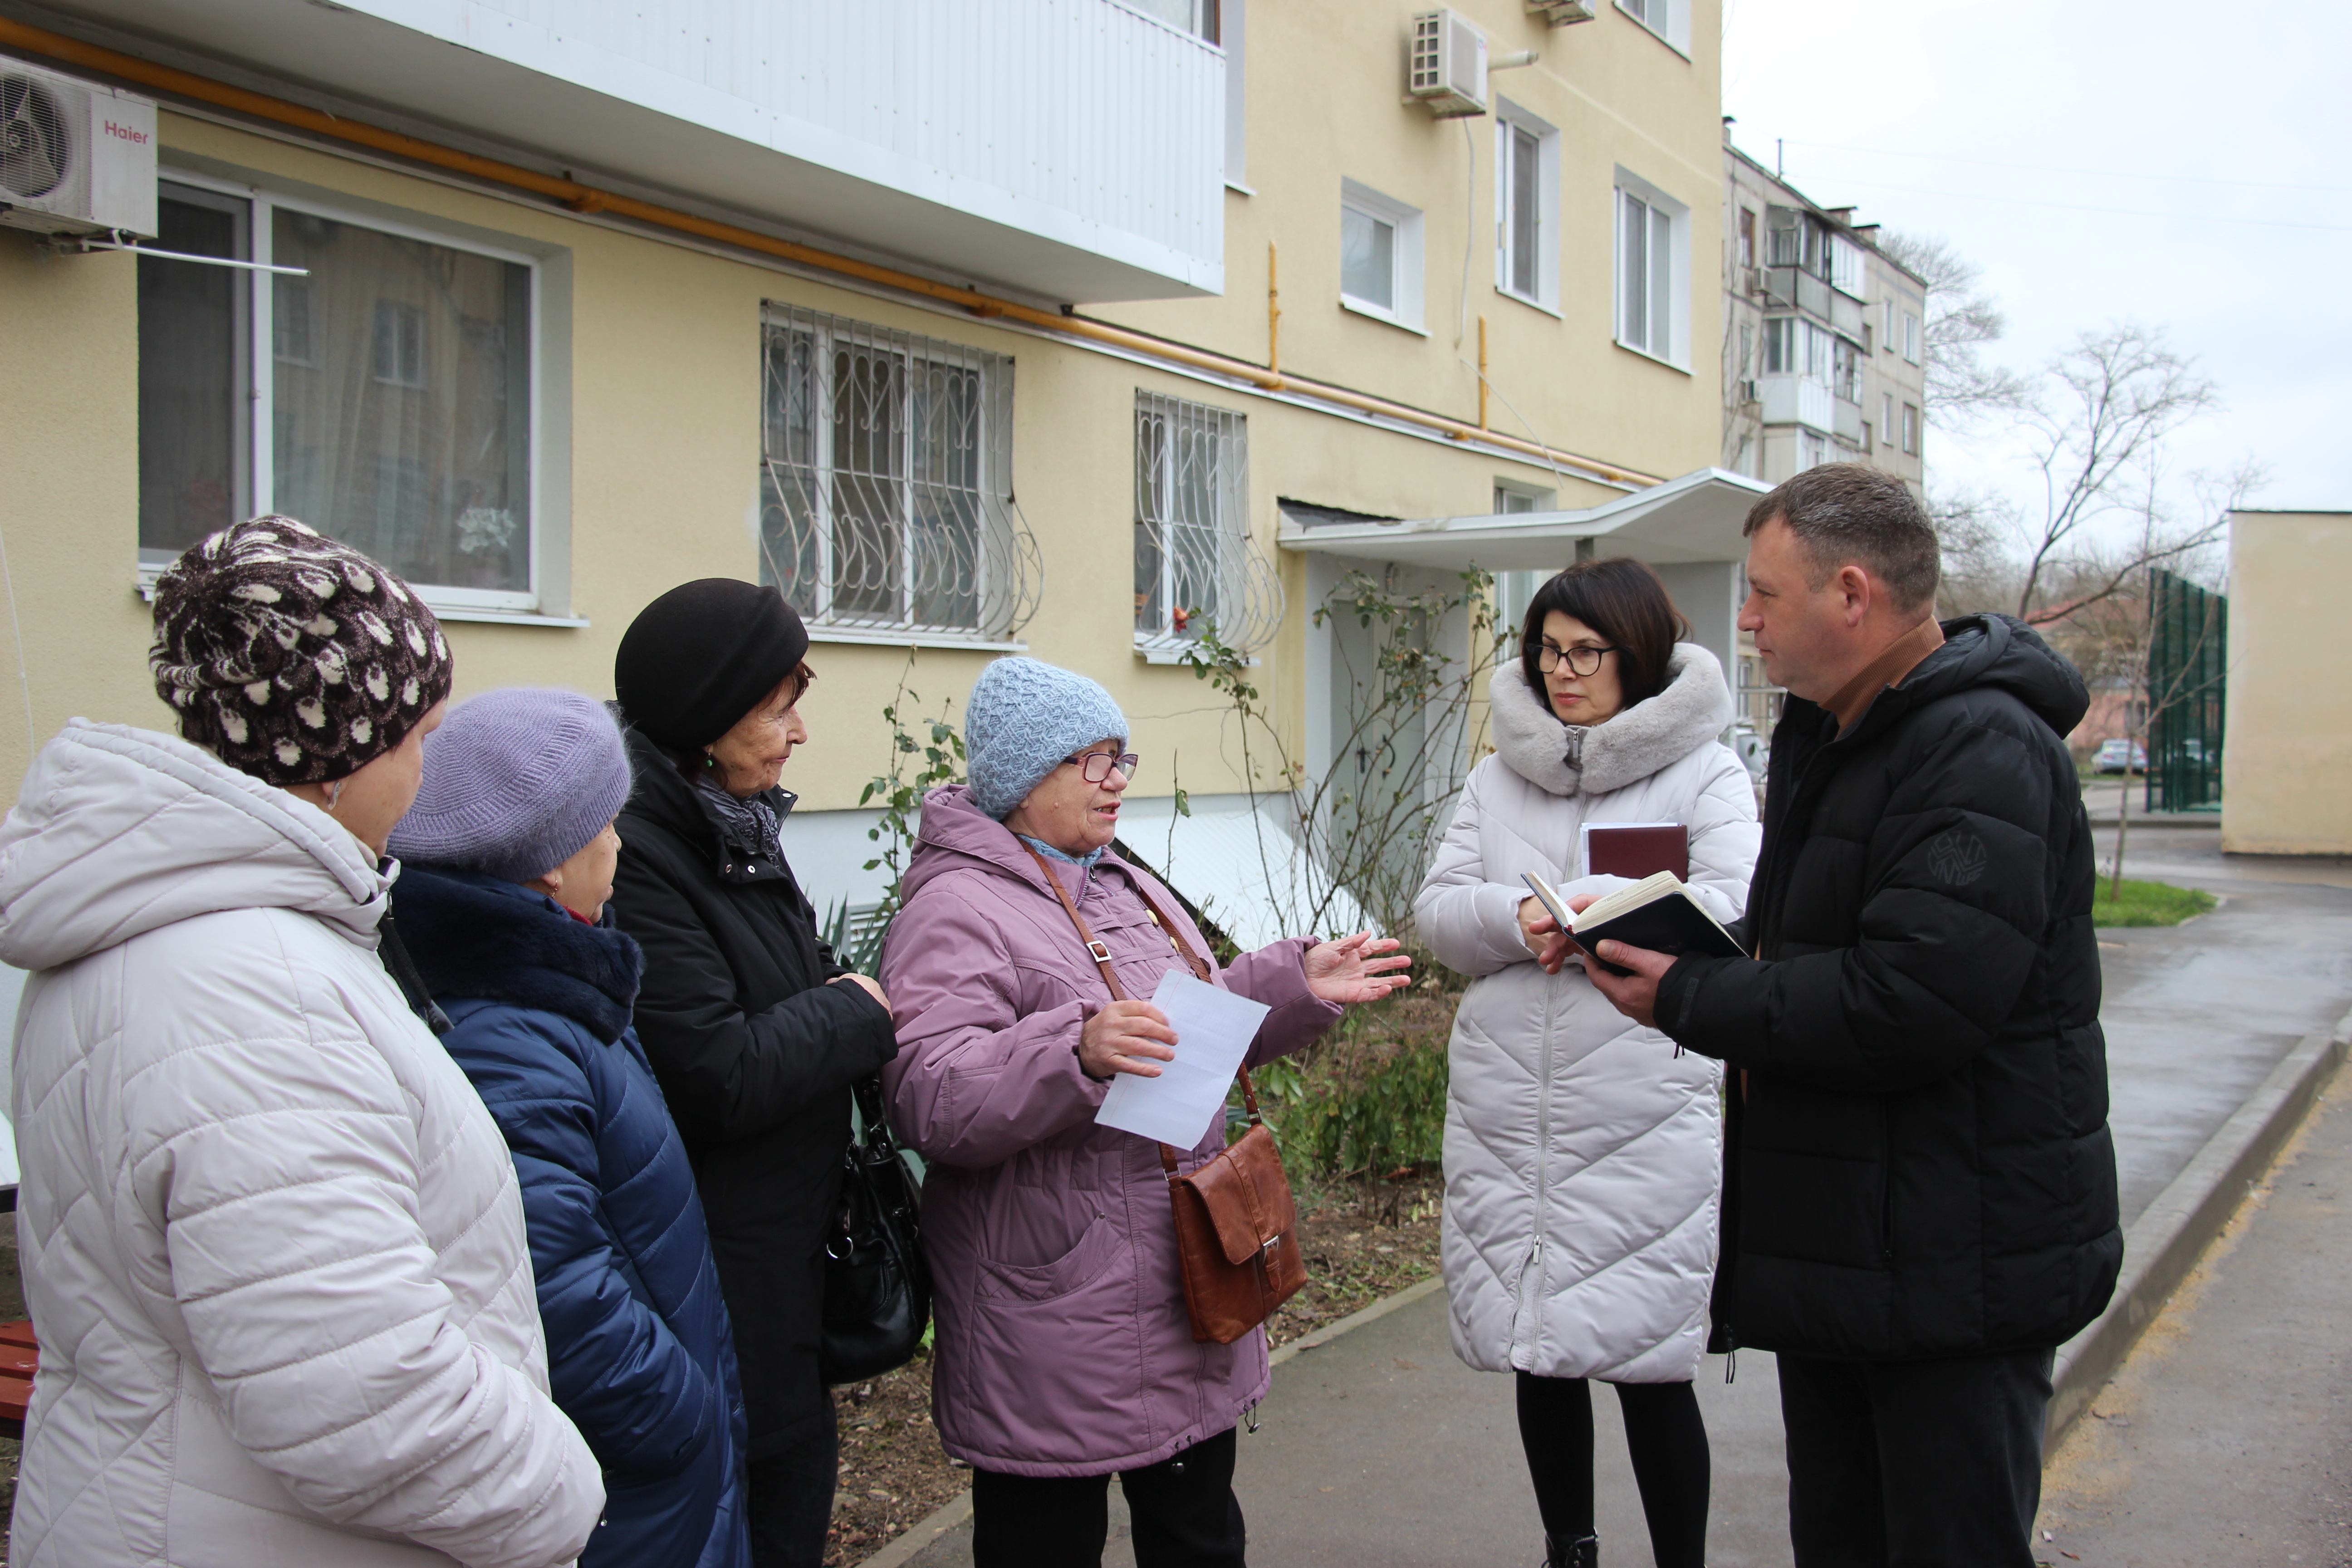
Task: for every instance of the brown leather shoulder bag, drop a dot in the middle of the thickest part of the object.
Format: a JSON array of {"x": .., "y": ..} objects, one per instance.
[{"x": 1236, "y": 1223}]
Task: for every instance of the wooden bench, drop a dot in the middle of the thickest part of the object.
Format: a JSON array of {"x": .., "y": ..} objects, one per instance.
[{"x": 18, "y": 1357}]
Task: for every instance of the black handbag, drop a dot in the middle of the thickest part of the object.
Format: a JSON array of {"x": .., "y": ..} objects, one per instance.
[{"x": 877, "y": 1290}]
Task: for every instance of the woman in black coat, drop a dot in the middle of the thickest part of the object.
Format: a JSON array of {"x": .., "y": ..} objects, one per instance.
[{"x": 755, "y": 1033}]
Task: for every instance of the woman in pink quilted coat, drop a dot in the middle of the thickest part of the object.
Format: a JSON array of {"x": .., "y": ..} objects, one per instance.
[{"x": 1066, "y": 1353}]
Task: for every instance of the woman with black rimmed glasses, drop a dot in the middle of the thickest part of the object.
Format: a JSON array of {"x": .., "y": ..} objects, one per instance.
[
  {"x": 1584, "y": 1157},
  {"x": 1064, "y": 1351}
]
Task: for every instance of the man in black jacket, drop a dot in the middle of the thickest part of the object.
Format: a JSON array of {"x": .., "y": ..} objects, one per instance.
[{"x": 1920, "y": 1185}]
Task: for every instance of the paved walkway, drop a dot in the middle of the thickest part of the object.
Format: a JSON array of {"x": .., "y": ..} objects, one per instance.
[
  {"x": 1381, "y": 1450},
  {"x": 2227, "y": 1437}
]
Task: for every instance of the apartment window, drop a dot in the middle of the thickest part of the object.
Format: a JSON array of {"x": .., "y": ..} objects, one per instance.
[
  {"x": 1845, "y": 369},
  {"x": 1865, "y": 438},
  {"x": 1910, "y": 337},
  {"x": 1794, "y": 346},
  {"x": 1812, "y": 450},
  {"x": 1886, "y": 416},
  {"x": 1867, "y": 330},
  {"x": 1512, "y": 498},
  {"x": 1526, "y": 207},
  {"x": 1192, "y": 517},
  {"x": 1670, "y": 19},
  {"x": 887, "y": 479},
  {"x": 397, "y": 414},
  {"x": 1845, "y": 265},
  {"x": 1887, "y": 327},
  {"x": 1747, "y": 237},
  {"x": 1196, "y": 16},
  {"x": 1911, "y": 429},
  {"x": 1380, "y": 256},
  {"x": 1653, "y": 272}
]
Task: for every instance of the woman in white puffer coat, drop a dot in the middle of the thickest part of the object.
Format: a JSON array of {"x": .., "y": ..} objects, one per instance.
[
  {"x": 272, "y": 1242},
  {"x": 1584, "y": 1157}
]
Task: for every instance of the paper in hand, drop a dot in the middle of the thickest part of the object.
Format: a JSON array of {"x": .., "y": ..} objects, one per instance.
[{"x": 1213, "y": 1031}]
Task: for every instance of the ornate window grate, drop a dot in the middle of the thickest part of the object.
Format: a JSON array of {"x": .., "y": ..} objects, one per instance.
[
  {"x": 886, "y": 485},
  {"x": 1193, "y": 559}
]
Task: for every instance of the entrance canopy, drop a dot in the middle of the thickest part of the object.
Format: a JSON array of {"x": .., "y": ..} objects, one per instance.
[{"x": 1695, "y": 518}]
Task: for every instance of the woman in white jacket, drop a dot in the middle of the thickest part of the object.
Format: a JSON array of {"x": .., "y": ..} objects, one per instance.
[
  {"x": 273, "y": 1244},
  {"x": 1582, "y": 1155}
]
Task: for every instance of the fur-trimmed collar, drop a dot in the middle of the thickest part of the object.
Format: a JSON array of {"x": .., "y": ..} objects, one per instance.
[
  {"x": 477, "y": 937},
  {"x": 1594, "y": 759}
]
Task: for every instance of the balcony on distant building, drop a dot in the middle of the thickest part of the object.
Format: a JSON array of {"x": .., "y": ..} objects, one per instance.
[
  {"x": 1798, "y": 400},
  {"x": 1073, "y": 150}
]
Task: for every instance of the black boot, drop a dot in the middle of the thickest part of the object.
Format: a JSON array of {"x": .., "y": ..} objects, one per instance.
[{"x": 1584, "y": 1552}]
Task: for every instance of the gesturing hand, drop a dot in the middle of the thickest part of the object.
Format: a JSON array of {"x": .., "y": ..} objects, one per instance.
[
  {"x": 1359, "y": 968},
  {"x": 1127, "y": 1037}
]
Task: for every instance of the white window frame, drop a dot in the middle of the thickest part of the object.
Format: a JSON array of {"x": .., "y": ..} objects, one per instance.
[
  {"x": 1228, "y": 529},
  {"x": 484, "y": 604},
  {"x": 1631, "y": 188},
  {"x": 1887, "y": 418},
  {"x": 1232, "y": 37},
  {"x": 1911, "y": 337},
  {"x": 1886, "y": 336},
  {"x": 1515, "y": 498},
  {"x": 1667, "y": 20},
  {"x": 1405, "y": 257},
  {"x": 1845, "y": 265},
  {"x": 1910, "y": 429},
  {"x": 1511, "y": 121}
]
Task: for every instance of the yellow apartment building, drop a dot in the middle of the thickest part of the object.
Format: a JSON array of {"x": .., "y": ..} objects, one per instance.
[{"x": 1067, "y": 326}]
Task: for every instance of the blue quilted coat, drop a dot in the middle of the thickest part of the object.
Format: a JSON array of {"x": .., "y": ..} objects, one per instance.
[{"x": 637, "y": 1342}]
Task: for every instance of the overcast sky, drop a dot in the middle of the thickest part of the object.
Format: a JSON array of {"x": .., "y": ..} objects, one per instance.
[{"x": 2177, "y": 164}]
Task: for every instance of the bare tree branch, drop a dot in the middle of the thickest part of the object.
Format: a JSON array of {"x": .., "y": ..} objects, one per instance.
[{"x": 1962, "y": 317}]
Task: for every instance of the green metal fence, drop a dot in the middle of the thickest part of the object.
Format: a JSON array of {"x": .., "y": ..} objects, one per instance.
[{"x": 2189, "y": 637}]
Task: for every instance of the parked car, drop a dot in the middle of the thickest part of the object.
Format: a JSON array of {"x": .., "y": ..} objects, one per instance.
[{"x": 2120, "y": 755}]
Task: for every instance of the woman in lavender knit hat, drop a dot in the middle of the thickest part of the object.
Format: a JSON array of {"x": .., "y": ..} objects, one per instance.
[{"x": 507, "y": 864}]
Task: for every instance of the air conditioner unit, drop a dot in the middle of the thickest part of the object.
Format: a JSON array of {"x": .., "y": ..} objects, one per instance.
[
  {"x": 75, "y": 157},
  {"x": 1560, "y": 12},
  {"x": 1448, "y": 65}
]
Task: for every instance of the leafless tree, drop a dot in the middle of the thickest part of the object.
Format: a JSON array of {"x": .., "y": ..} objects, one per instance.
[
  {"x": 2096, "y": 435},
  {"x": 1962, "y": 317}
]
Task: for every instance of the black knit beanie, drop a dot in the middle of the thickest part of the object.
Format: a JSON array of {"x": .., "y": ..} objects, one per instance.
[
  {"x": 700, "y": 656},
  {"x": 291, "y": 657}
]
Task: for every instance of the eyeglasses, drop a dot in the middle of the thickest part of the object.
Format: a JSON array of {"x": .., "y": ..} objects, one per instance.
[
  {"x": 1097, "y": 765},
  {"x": 1580, "y": 661}
]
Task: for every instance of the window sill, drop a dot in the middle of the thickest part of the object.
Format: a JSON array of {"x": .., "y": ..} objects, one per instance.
[
  {"x": 1389, "y": 318},
  {"x": 879, "y": 636},
  {"x": 482, "y": 614},
  {"x": 1172, "y": 650},
  {"x": 1654, "y": 359},
  {"x": 1554, "y": 312}
]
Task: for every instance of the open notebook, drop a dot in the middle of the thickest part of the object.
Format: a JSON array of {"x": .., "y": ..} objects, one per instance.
[{"x": 1657, "y": 912}]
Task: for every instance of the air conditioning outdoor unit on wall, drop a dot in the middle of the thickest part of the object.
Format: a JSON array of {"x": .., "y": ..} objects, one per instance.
[
  {"x": 1560, "y": 12},
  {"x": 1448, "y": 65},
  {"x": 75, "y": 157}
]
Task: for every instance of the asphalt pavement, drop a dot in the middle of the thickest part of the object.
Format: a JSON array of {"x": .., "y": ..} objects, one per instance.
[{"x": 1379, "y": 1450}]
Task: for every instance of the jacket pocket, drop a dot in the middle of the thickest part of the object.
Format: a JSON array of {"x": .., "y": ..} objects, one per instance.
[{"x": 1098, "y": 1248}]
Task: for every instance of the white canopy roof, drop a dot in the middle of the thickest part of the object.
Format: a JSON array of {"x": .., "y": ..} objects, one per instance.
[{"x": 1695, "y": 518}]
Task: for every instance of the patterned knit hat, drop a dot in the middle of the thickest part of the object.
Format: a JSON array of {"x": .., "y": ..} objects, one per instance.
[{"x": 295, "y": 658}]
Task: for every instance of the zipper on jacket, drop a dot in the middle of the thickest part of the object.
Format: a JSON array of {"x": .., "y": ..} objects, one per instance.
[{"x": 1531, "y": 1273}]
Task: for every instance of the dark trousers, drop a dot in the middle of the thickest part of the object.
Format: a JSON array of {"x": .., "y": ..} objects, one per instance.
[
  {"x": 1915, "y": 1464},
  {"x": 789, "y": 1499},
  {"x": 1185, "y": 1515},
  {"x": 1665, "y": 1437}
]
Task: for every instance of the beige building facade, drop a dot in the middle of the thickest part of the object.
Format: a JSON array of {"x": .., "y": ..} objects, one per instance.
[
  {"x": 2286, "y": 767},
  {"x": 1162, "y": 317}
]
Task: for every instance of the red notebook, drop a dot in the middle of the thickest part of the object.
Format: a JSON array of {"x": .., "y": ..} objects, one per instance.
[{"x": 1636, "y": 850}]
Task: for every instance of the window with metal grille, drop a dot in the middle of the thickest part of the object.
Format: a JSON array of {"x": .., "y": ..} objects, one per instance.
[
  {"x": 1192, "y": 520},
  {"x": 887, "y": 481}
]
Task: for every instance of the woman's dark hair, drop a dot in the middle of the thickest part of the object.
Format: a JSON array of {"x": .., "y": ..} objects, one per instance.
[
  {"x": 693, "y": 763},
  {"x": 1622, "y": 600}
]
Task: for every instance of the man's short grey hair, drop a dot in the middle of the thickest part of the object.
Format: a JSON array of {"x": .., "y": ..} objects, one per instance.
[{"x": 1851, "y": 513}]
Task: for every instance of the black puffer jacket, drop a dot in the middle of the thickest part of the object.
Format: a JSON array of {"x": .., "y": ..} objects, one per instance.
[
  {"x": 755, "y": 1054},
  {"x": 1920, "y": 1163}
]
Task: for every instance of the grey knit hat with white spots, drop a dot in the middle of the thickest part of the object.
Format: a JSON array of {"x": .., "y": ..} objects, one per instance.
[{"x": 295, "y": 658}]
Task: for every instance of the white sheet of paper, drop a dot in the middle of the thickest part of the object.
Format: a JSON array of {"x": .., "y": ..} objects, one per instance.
[{"x": 1213, "y": 1031}]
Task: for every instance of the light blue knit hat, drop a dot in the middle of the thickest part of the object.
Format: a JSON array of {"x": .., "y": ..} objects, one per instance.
[
  {"x": 1024, "y": 718},
  {"x": 516, "y": 783}
]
